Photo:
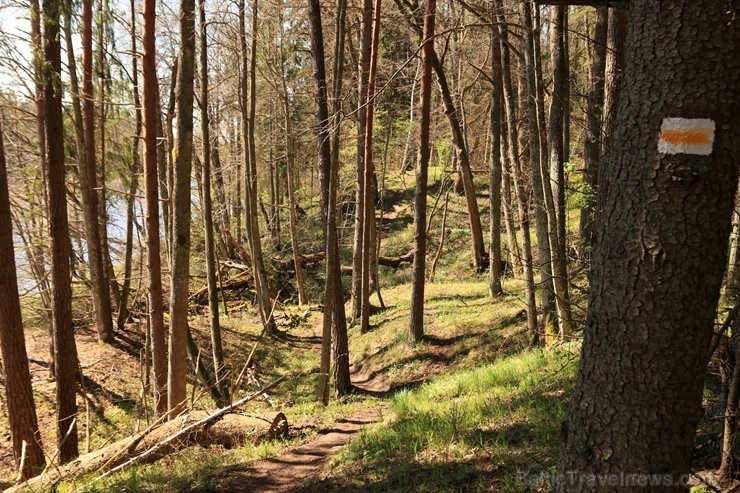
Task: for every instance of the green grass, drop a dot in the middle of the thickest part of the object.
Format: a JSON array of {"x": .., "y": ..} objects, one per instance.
[{"x": 471, "y": 430}]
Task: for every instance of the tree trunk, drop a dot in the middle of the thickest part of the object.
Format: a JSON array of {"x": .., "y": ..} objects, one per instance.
[
  {"x": 334, "y": 315},
  {"x": 416, "y": 325},
  {"x": 87, "y": 173},
  {"x": 217, "y": 347},
  {"x": 661, "y": 247},
  {"x": 494, "y": 256},
  {"x": 180, "y": 275},
  {"x": 65, "y": 359},
  {"x": 262, "y": 283},
  {"x": 340, "y": 344},
  {"x": 151, "y": 186},
  {"x": 36, "y": 254},
  {"x": 616, "y": 33},
  {"x": 539, "y": 179},
  {"x": 123, "y": 313},
  {"x": 223, "y": 207},
  {"x": 24, "y": 428},
  {"x": 515, "y": 167},
  {"x": 592, "y": 130},
  {"x": 290, "y": 169},
  {"x": 727, "y": 466},
  {"x": 368, "y": 202},
  {"x": 164, "y": 158},
  {"x": 364, "y": 76},
  {"x": 556, "y": 211},
  {"x": 103, "y": 72}
]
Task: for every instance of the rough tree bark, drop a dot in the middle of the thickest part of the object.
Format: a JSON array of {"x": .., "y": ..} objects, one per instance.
[
  {"x": 65, "y": 358},
  {"x": 660, "y": 247},
  {"x": 24, "y": 429},
  {"x": 180, "y": 275}
]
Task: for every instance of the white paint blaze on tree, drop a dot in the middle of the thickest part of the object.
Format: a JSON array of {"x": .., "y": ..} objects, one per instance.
[{"x": 660, "y": 247}]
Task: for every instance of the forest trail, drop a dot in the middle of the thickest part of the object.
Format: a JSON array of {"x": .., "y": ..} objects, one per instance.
[{"x": 290, "y": 470}]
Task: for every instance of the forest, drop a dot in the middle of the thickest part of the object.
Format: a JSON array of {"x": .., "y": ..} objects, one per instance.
[{"x": 369, "y": 246}]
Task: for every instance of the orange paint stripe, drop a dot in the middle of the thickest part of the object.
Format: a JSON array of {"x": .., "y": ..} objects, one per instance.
[{"x": 694, "y": 137}]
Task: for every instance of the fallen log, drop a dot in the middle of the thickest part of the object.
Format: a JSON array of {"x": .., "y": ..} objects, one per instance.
[
  {"x": 200, "y": 297},
  {"x": 396, "y": 262},
  {"x": 197, "y": 427}
]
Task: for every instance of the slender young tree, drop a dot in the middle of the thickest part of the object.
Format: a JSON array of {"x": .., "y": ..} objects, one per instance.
[
  {"x": 363, "y": 77},
  {"x": 36, "y": 255},
  {"x": 368, "y": 202},
  {"x": 65, "y": 360},
  {"x": 151, "y": 187},
  {"x": 556, "y": 186},
  {"x": 339, "y": 341},
  {"x": 540, "y": 204},
  {"x": 497, "y": 89},
  {"x": 516, "y": 173},
  {"x": 334, "y": 315},
  {"x": 262, "y": 283},
  {"x": 211, "y": 267},
  {"x": 24, "y": 428},
  {"x": 123, "y": 313},
  {"x": 416, "y": 325},
  {"x": 592, "y": 129},
  {"x": 180, "y": 275},
  {"x": 660, "y": 249},
  {"x": 101, "y": 297}
]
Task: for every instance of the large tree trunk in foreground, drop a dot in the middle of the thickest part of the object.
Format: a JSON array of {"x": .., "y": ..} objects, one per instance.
[
  {"x": 660, "y": 248},
  {"x": 24, "y": 428},
  {"x": 65, "y": 358}
]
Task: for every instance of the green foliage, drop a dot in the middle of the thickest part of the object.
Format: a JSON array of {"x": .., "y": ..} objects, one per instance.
[{"x": 467, "y": 431}]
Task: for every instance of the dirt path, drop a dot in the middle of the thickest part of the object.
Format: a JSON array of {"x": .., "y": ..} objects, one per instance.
[{"x": 289, "y": 470}]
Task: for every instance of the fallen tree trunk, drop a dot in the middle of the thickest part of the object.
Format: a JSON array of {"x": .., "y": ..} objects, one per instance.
[
  {"x": 198, "y": 427},
  {"x": 200, "y": 297}
]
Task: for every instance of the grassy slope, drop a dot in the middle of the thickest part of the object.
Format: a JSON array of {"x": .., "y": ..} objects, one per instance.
[{"x": 469, "y": 407}]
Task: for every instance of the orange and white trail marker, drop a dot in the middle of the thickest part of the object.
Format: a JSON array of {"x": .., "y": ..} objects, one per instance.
[{"x": 686, "y": 136}]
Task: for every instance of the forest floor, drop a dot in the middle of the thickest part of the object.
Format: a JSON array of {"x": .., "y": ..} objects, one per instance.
[{"x": 466, "y": 335}]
